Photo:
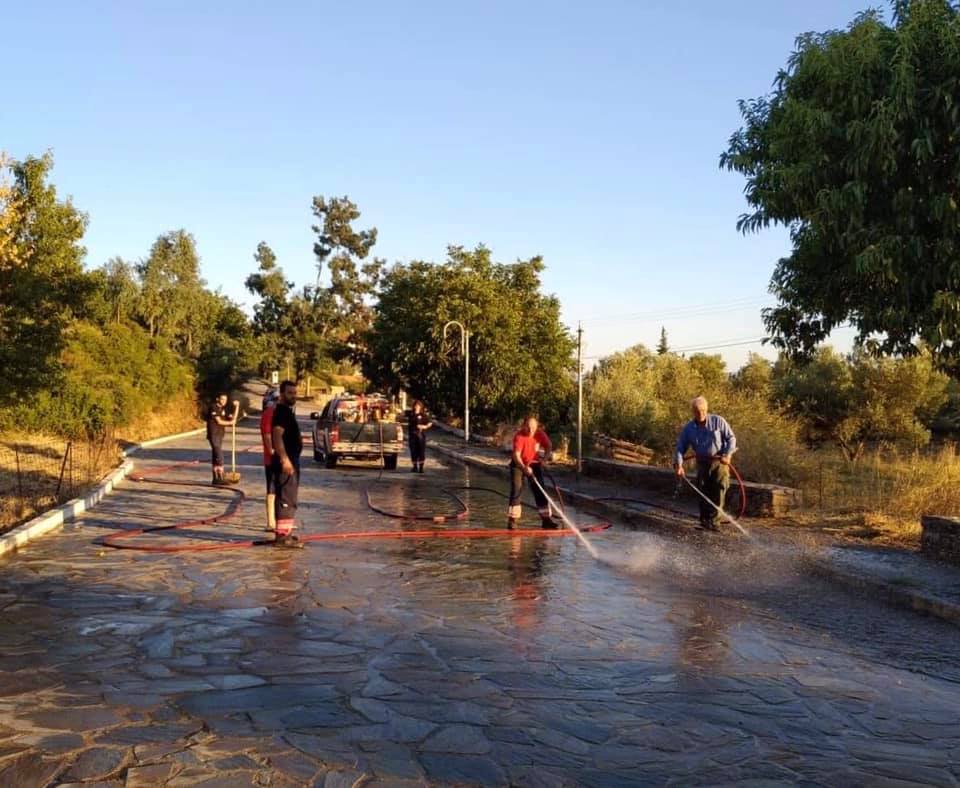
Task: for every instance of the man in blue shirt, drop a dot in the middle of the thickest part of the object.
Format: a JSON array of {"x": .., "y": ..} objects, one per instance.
[{"x": 713, "y": 443}]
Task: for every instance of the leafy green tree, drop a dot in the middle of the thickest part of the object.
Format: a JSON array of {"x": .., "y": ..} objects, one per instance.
[
  {"x": 42, "y": 282},
  {"x": 116, "y": 292},
  {"x": 861, "y": 400},
  {"x": 521, "y": 354},
  {"x": 711, "y": 369},
  {"x": 344, "y": 305},
  {"x": 228, "y": 351},
  {"x": 855, "y": 152},
  {"x": 293, "y": 327},
  {"x": 754, "y": 377},
  {"x": 9, "y": 213},
  {"x": 171, "y": 288}
]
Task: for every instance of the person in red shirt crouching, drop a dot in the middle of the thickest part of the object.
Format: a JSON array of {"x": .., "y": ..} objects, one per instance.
[{"x": 531, "y": 448}]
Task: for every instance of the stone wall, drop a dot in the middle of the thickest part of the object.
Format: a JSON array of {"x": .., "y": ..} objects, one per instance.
[
  {"x": 941, "y": 538},
  {"x": 763, "y": 500}
]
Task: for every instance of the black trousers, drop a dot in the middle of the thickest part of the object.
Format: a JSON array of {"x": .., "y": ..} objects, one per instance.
[
  {"x": 713, "y": 479},
  {"x": 418, "y": 447},
  {"x": 216, "y": 452},
  {"x": 286, "y": 488},
  {"x": 516, "y": 490}
]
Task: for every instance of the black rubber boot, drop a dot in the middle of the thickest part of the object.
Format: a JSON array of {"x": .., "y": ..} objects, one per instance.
[
  {"x": 549, "y": 523},
  {"x": 290, "y": 540}
]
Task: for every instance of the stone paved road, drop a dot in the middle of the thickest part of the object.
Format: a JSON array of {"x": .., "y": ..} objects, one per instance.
[{"x": 492, "y": 661}]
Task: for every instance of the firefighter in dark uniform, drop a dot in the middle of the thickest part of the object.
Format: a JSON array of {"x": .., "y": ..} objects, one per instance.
[
  {"x": 217, "y": 423},
  {"x": 287, "y": 448},
  {"x": 418, "y": 425}
]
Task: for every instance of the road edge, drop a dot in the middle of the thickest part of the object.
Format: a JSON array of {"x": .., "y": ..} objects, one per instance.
[{"x": 894, "y": 594}]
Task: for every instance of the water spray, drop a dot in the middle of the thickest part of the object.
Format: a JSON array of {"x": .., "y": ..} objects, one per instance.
[
  {"x": 567, "y": 521},
  {"x": 699, "y": 492}
]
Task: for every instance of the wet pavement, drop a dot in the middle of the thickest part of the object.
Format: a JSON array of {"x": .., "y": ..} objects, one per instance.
[{"x": 496, "y": 661}]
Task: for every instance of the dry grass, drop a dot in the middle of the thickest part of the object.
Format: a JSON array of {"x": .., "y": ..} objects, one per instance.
[
  {"x": 36, "y": 473},
  {"x": 180, "y": 415},
  {"x": 882, "y": 496},
  {"x": 39, "y": 472}
]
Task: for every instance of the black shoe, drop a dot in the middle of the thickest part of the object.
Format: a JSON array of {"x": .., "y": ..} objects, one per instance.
[
  {"x": 288, "y": 540},
  {"x": 549, "y": 523},
  {"x": 413, "y": 469},
  {"x": 421, "y": 469},
  {"x": 709, "y": 525},
  {"x": 511, "y": 523}
]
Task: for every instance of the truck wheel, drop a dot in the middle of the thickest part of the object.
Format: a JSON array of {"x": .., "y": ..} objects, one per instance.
[
  {"x": 390, "y": 462},
  {"x": 330, "y": 461}
]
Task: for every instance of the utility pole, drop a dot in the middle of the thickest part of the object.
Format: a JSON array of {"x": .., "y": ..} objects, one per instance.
[
  {"x": 465, "y": 349},
  {"x": 579, "y": 398}
]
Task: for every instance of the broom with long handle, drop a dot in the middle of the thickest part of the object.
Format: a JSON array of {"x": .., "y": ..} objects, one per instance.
[{"x": 233, "y": 477}]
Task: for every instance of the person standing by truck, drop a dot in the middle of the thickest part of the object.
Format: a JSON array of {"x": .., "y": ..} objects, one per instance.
[
  {"x": 217, "y": 423},
  {"x": 531, "y": 448},
  {"x": 417, "y": 428},
  {"x": 287, "y": 448}
]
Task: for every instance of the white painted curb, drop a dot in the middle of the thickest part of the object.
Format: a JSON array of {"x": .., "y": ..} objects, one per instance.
[
  {"x": 55, "y": 518},
  {"x": 164, "y": 439}
]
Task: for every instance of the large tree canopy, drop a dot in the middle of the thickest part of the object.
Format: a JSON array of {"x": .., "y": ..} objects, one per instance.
[
  {"x": 521, "y": 355},
  {"x": 42, "y": 282},
  {"x": 857, "y": 152}
]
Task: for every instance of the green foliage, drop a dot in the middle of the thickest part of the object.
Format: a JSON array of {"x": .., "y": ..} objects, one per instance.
[
  {"x": 855, "y": 152},
  {"x": 520, "y": 353},
  {"x": 112, "y": 376},
  {"x": 645, "y": 397},
  {"x": 662, "y": 346},
  {"x": 172, "y": 302},
  {"x": 42, "y": 283},
  {"x": 353, "y": 278},
  {"x": 861, "y": 399},
  {"x": 711, "y": 369},
  {"x": 115, "y": 292},
  {"x": 755, "y": 377}
]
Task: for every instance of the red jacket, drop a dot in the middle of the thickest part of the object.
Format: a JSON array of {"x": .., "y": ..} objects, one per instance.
[
  {"x": 529, "y": 446},
  {"x": 266, "y": 427}
]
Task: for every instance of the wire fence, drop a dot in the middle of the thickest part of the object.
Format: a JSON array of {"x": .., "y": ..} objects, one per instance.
[{"x": 36, "y": 475}]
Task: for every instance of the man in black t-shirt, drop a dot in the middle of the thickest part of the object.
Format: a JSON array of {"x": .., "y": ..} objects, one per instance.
[
  {"x": 217, "y": 422},
  {"x": 287, "y": 448}
]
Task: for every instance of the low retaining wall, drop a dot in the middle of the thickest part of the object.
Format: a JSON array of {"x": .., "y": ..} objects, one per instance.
[
  {"x": 941, "y": 538},
  {"x": 763, "y": 500}
]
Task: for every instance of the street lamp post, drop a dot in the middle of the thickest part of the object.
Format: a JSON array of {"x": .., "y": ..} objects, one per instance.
[{"x": 465, "y": 349}]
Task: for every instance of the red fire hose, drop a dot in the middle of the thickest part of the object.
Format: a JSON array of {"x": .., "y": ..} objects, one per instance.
[{"x": 128, "y": 539}]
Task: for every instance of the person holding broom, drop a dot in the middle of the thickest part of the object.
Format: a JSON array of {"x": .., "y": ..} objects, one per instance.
[{"x": 217, "y": 423}]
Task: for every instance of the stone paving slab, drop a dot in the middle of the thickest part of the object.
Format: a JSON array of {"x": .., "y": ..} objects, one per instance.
[{"x": 516, "y": 661}]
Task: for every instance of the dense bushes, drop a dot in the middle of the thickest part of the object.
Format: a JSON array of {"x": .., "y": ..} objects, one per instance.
[
  {"x": 645, "y": 398},
  {"x": 111, "y": 376},
  {"x": 779, "y": 412}
]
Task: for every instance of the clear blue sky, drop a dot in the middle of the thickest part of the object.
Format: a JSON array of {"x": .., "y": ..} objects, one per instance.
[{"x": 588, "y": 133}]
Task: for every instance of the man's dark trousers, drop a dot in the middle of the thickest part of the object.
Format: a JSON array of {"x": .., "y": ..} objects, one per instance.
[{"x": 713, "y": 479}]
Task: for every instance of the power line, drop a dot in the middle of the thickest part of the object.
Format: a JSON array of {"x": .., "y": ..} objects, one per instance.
[
  {"x": 697, "y": 348},
  {"x": 684, "y": 312}
]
